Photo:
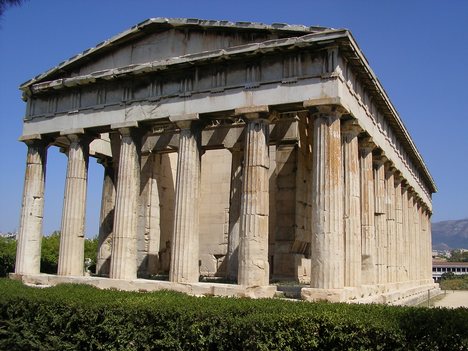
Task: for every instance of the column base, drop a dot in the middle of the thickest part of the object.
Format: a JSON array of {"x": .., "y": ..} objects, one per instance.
[
  {"x": 406, "y": 293},
  {"x": 330, "y": 295},
  {"x": 144, "y": 285}
]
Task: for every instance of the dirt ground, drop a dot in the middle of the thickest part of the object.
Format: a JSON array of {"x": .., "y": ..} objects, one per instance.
[{"x": 452, "y": 299}]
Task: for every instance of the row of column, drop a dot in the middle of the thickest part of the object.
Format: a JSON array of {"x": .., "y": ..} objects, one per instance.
[
  {"x": 118, "y": 231},
  {"x": 369, "y": 226}
]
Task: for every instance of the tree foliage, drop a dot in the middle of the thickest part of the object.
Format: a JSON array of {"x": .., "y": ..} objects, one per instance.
[
  {"x": 458, "y": 256},
  {"x": 4, "y": 4},
  {"x": 49, "y": 253},
  {"x": 7, "y": 255}
]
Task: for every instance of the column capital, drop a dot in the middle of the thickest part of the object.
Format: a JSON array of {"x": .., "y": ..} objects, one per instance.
[
  {"x": 390, "y": 168},
  {"x": 184, "y": 121},
  {"x": 253, "y": 112},
  {"x": 379, "y": 158},
  {"x": 350, "y": 127},
  {"x": 78, "y": 135},
  {"x": 399, "y": 178},
  {"x": 35, "y": 139}
]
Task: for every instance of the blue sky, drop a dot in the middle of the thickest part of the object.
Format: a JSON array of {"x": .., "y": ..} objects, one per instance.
[{"x": 418, "y": 50}]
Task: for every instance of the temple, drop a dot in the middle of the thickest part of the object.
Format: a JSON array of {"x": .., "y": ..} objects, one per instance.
[{"x": 249, "y": 152}]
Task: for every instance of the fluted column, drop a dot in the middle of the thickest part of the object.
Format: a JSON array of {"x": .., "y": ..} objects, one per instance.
[
  {"x": 351, "y": 204},
  {"x": 71, "y": 253},
  {"x": 106, "y": 221},
  {"x": 391, "y": 222},
  {"x": 368, "y": 251},
  {"x": 399, "y": 242},
  {"x": 429, "y": 238},
  {"x": 327, "y": 243},
  {"x": 28, "y": 250},
  {"x": 380, "y": 219},
  {"x": 185, "y": 240},
  {"x": 405, "y": 258},
  {"x": 124, "y": 249},
  {"x": 253, "y": 246},
  {"x": 417, "y": 239},
  {"x": 234, "y": 212},
  {"x": 411, "y": 236}
]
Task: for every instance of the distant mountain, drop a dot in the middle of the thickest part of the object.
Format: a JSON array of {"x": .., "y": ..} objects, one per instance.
[{"x": 448, "y": 235}]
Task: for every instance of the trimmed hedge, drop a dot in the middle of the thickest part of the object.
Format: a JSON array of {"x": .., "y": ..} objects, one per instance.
[{"x": 79, "y": 317}]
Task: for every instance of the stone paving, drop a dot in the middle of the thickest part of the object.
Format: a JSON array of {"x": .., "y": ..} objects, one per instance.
[{"x": 452, "y": 299}]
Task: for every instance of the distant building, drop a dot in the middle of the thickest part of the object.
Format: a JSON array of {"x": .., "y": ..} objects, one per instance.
[{"x": 440, "y": 267}]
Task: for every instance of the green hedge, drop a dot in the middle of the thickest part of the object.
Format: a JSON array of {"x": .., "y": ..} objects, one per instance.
[{"x": 78, "y": 317}]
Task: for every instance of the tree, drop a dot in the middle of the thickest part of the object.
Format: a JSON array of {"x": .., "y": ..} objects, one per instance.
[
  {"x": 50, "y": 252},
  {"x": 4, "y": 4},
  {"x": 7, "y": 255}
]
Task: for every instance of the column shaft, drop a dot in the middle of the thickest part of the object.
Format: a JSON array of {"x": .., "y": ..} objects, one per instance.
[
  {"x": 106, "y": 221},
  {"x": 417, "y": 235},
  {"x": 253, "y": 245},
  {"x": 399, "y": 247},
  {"x": 327, "y": 243},
  {"x": 411, "y": 237},
  {"x": 367, "y": 215},
  {"x": 124, "y": 250},
  {"x": 28, "y": 251},
  {"x": 351, "y": 205},
  {"x": 380, "y": 221},
  {"x": 405, "y": 234},
  {"x": 234, "y": 213},
  {"x": 71, "y": 254},
  {"x": 391, "y": 224},
  {"x": 185, "y": 241}
]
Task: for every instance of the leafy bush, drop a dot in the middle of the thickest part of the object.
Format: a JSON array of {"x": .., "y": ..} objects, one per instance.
[
  {"x": 7, "y": 255},
  {"x": 450, "y": 281},
  {"x": 78, "y": 317}
]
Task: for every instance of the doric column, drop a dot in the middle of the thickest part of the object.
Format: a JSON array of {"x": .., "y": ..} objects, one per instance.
[
  {"x": 351, "y": 203},
  {"x": 411, "y": 235},
  {"x": 417, "y": 239},
  {"x": 71, "y": 253},
  {"x": 391, "y": 223},
  {"x": 28, "y": 250},
  {"x": 234, "y": 212},
  {"x": 253, "y": 245},
  {"x": 380, "y": 218},
  {"x": 429, "y": 238},
  {"x": 124, "y": 250},
  {"x": 423, "y": 243},
  {"x": 327, "y": 242},
  {"x": 106, "y": 221},
  {"x": 185, "y": 240},
  {"x": 399, "y": 242},
  {"x": 405, "y": 258},
  {"x": 368, "y": 252}
]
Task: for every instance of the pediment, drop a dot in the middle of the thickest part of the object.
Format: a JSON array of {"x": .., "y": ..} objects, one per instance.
[{"x": 160, "y": 38}]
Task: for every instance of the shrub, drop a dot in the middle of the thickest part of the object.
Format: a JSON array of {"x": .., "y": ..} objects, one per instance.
[
  {"x": 78, "y": 317},
  {"x": 7, "y": 255}
]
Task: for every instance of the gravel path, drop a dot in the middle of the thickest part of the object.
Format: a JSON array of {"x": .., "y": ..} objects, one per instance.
[{"x": 453, "y": 299}]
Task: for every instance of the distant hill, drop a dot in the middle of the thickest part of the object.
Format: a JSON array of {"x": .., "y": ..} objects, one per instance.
[{"x": 448, "y": 235}]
